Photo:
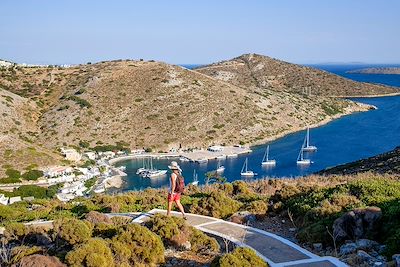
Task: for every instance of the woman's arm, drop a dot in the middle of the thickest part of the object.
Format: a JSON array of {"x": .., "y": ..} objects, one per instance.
[{"x": 173, "y": 182}]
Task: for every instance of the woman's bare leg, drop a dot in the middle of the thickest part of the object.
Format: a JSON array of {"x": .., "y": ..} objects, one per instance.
[
  {"x": 180, "y": 207},
  {"x": 169, "y": 207}
]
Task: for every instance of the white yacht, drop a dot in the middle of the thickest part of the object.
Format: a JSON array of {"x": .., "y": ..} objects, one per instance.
[
  {"x": 221, "y": 157},
  {"x": 266, "y": 161},
  {"x": 245, "y": 171},
  {"x": 307, "y": 147}
]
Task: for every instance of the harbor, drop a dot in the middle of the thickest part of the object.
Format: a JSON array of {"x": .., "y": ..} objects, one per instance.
[{"x": 340, "y": 141}]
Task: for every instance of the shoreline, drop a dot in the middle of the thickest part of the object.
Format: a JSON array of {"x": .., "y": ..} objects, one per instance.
[
  {"x": 368, "y": 96},
  {"x": 247, "y": 149}
]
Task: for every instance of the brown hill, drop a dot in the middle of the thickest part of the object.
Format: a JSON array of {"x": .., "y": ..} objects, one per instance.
[
  {"x": 157, "y": 105},
  {"x": 18, "y": 120},
  {"x": 257, "y": 72}
]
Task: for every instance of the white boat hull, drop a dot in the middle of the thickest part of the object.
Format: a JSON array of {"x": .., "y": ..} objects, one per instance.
[
  {"x": 247, "y": 174},
  {"x": 310, "y": 149},
  {"x": 270, "y": 162},
  {"x": 232, "y": 156},
  {"x": 221, "y": 169},
  {"x": 194, "y": 183},
  {"x": 304, "y": 162}
]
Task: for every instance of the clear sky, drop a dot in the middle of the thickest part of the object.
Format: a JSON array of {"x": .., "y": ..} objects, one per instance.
[{"x": 199, "y": 31}]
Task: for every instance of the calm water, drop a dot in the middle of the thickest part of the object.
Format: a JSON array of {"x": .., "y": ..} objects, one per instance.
[{"x": 344, "y": 140}]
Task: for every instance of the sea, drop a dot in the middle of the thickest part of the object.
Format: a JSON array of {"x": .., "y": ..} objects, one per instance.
[{"x": 344, "y": 140}]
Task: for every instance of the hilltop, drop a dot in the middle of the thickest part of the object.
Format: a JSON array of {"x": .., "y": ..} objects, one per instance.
[
  {"x": 388, "y": 70},
  {"x": 257, "y": 72},
  {"x": 149, "y": 104}
]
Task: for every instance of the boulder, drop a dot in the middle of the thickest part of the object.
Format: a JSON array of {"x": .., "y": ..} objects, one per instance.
[
  {"x": 366, "y": 244},
  {"x": 243, "y": 217},
  {"x": 40, "y": 261},
  {"x": 357, "y": 223},
  {"x": 396, "y": 259},
  {"x": 348, "y": 248},
  {"x": 317, "y": 247},
  {"x": 365, "y": 257}
]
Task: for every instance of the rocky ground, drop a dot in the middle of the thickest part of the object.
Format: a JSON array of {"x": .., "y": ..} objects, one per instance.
[{"x": 388, "y": 162}]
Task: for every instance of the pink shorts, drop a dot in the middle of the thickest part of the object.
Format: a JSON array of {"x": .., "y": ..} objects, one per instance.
[{"x": 174, "y": 197}]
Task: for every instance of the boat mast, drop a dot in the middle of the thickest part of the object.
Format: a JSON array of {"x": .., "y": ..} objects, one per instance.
[
  {"x": 308, "y": 138},
  {"x": 267, "y": 153}
]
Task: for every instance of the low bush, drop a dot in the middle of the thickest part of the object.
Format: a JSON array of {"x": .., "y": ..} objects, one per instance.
[
  {"x": 176, "y": 232},
  {"x": 217, "y": 205},
  {"x": 72, "y": 231},
  {"x": 32, "y": 175},
  {"x": 94, "y": 252},
  {"x": 240, "y": 257},
  {"x": 135, "y": 245}
]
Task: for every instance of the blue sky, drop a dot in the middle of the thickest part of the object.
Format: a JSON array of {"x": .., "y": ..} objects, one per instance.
[{"x": 184, "y": 32}]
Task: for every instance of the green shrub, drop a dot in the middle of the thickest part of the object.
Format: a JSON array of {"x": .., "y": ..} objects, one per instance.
[
  {"x": 13, "y": 174},
  {"x": 71, "y": 230},
  {"x": 175, "y": 231},
  {"x": 15, "y": 231},
  {"x": 136, "y": 245},
  {"x": 9, "y": 180},
  {"x": 217, "y": 205},
  {"x": 93, "y": 253},
  {"x": 240, "y": 257},
  {"x": 32, "y": 175},
  {"x": 31, "y": 190}
]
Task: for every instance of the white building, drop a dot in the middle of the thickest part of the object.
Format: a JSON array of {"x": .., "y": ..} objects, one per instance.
[
  {"x": 58, "y": 171},
  {"x": 3, "y": 199},
  {"x": 215, "y": 148},
  {"x": 71, "y": 154},
  {"x": 15, "y": 199}
]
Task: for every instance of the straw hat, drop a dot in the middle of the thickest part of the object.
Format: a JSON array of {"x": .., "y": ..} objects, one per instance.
[{"x": 174, "y": 166}]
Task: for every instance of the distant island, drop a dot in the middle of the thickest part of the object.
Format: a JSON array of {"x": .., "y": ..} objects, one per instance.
[{"x": 388, "y": 70}]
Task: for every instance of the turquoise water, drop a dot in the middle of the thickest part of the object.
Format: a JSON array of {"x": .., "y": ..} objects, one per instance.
[{"x": 344, "y": 140}]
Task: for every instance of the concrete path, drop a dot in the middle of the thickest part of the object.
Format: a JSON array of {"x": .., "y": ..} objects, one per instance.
[{"x": 275, "y": 250}]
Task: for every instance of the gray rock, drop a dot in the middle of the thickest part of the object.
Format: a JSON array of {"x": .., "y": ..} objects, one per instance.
[
  {"x": 396, "y": 258},
  {"x": 364, "y": 256},
  {"x": 348, "y": 248},
  {"x": 381, "y": 249},
  {"x": 186, "y": 245},
  {"x": 357, "y": 223},
  {"x": 243, "y": 217},
  {"x": 317, "y": 247},
  {"x": 366, "y": 244}
]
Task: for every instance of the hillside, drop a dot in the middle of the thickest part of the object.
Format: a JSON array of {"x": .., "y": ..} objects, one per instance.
[
  {"x": 18, "y": 131},
  {"x": 154, "y": 105},
  {"x": 391, "y": 70},
  {"x": 257, "y": 72},
  {"x": 388, "y": 162}
]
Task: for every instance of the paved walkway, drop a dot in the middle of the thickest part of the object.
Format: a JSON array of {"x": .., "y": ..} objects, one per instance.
[{"x": 275, "y": 250}]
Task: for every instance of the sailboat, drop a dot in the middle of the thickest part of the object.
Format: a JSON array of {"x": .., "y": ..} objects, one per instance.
[
  {"x": 220, "y": 168},
  {"x": 266, "y": 161},
  {"x": 142, "y": 169},
  {"x": 153, "y": 173},
  {"x": 245, "y": 171},
  {"x": 195, "y": 178},
  {"x": 300, "y": 158},
  {"x": 307, "y": 147}
]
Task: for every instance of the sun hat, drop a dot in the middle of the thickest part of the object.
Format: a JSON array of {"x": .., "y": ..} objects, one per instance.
[{"x": 174, "y": 166}]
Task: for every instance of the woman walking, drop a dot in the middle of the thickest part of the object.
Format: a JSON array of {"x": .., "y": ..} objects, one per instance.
[{"x": 176, "y": 187}]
